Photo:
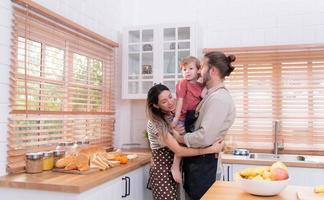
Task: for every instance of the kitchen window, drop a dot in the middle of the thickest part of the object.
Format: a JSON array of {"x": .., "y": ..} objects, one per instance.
[
  {"x": 282, "y": 83},
  {"x": 62, "y": 84}
]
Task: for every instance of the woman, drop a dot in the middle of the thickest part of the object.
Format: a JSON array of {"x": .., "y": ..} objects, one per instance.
[{"x": 160, "y": 109}]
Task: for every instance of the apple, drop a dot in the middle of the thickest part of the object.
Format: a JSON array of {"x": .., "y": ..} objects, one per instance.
[
  {"x": 278, "y": 164},
  {"x": 278, "y": 174}
]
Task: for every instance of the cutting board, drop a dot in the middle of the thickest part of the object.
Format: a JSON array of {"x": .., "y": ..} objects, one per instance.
[
  {"x": 91, "y": 170},
  {"x": 309, "y": 195}
]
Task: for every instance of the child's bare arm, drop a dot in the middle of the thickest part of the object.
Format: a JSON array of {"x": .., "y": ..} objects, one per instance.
[
  {"x": 175, "y": 169},
  {"x": 178, "y": 111}
]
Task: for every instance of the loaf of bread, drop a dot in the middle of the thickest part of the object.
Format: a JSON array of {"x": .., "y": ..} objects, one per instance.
[
  {"x": 82, "y": 162},
  {"x": 72, "y": 162},
  {"x": 63, "y": 162}
]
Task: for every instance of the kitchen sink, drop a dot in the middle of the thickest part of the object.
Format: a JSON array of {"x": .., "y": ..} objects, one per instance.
[
  {"x": 316, "y": 159},
  {"x": 281, "y": 157},
  {"x": 286, "y": 157}
]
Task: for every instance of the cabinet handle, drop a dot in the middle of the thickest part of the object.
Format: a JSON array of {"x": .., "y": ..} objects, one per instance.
[
  {"x": 228, "y": 173},
  {"x": 125, "y": 194},
  {"x": 129, "y": 183}
]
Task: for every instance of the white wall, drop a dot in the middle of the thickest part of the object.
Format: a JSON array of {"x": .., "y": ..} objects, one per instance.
[
  {"x": 5, "y": 24},
  {"x": 229, "y": 23},
  {"x": 101, "y": 16},
  {"x": 236, "y": 22}
]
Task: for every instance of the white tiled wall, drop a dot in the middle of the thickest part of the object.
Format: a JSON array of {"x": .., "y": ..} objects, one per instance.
[
  {"x": 229, "y": 23},
  {"x": 234, "y": 22},
  {"x": 5, "y": 23}
]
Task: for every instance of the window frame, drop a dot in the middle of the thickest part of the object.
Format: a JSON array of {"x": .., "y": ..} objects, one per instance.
[
  {"x": 243, "y": 136},
  {"x": 33, "y": 22}
]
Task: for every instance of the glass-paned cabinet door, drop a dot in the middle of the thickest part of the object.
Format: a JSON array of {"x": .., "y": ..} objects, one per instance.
[
  {"x": 140, "y": 47},
  {"x": 152, "y": 55},
  {"x": 177, "y": 44}
]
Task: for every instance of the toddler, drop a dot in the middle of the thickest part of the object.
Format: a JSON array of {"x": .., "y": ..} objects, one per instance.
[{"x": 189, "y": 93}]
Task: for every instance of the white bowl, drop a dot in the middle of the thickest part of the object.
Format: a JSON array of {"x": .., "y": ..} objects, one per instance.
[{"x": 262, "y": 187}]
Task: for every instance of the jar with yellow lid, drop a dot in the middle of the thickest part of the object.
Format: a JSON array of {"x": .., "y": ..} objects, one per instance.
[{"x": 48, "y": 160}]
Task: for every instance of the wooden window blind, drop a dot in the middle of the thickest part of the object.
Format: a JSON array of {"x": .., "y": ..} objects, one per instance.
[
  {"x": 62, "y": 84},
  {"x": 284, "y": 83}
]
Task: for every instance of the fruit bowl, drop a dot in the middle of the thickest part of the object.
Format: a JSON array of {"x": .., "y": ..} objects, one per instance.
[
  {"x": 264, "y": 181},
  {"x": 263, "y": 187}
]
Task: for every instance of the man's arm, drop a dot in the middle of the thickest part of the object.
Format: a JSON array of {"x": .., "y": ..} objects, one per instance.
[{"x": 213, "y": 118}]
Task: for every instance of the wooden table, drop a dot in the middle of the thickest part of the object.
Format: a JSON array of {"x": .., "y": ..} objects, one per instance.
[{"x": 233, "y": 191}]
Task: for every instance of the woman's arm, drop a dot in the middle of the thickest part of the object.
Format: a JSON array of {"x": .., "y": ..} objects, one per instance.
[{"x": 181, "y": 151}]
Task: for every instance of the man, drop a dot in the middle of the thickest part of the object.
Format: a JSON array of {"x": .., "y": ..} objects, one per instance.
[{"x": 216, "y": 113}]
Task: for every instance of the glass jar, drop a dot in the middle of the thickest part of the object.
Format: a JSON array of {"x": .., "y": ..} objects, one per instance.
[
  {"x": 61, "y": 146},
  {"x": 82, "y": 144},
  {"x": 48, "y": 160},
  {"x": 34, "y": 163},
  {"x": 71, "y": 148},
  {"x": 58, "y": 154}
]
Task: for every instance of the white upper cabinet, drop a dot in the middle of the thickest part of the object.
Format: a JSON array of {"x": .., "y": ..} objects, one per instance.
[{"x": 151, "y": 55}]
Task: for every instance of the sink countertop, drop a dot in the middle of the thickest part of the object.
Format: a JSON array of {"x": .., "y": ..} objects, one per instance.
[{"x": 231, "y": 159}]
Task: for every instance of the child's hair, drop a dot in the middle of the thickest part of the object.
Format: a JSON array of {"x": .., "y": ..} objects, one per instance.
[{"x": 190, "y": 59}]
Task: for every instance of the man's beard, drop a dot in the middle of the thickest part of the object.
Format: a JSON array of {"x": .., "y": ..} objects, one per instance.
[{"x": 206, "y": 77}]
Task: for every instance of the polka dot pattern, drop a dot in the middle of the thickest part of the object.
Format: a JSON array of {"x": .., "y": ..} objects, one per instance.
[{"x": 161, "y": 180}]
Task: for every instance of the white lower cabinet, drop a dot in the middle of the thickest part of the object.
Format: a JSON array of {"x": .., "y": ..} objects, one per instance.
[
  {"x": 130, "y": 186},
  {"x": 302, "y": 176},
  {"x": 227, "y": 172}
]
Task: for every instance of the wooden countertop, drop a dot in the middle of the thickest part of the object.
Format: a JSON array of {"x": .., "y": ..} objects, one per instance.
[
  {"x": 62, "y": 182},
  {"x": 233, "y": 191},
  {"x": 231, "y": 159}
]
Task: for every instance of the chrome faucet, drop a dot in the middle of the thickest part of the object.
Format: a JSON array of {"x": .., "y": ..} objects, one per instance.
[{"x": 276, "y": 145}]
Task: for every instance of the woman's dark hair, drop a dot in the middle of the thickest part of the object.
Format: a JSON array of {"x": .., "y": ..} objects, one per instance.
[
  {"x": 155, "y": 114},
  {"x": 221, "y": 62}
]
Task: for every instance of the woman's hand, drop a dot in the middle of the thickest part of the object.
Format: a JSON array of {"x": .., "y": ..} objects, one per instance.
[
  {"x": 180, "y": 129},
  {"x": 178, "y": 136},
  {"x": 217, "y": 146}
]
